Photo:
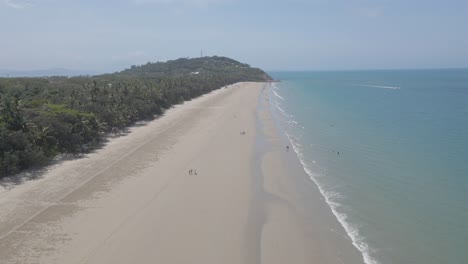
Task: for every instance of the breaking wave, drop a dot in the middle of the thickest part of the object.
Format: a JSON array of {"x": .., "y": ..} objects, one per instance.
[{"x": 379, "y": 86}]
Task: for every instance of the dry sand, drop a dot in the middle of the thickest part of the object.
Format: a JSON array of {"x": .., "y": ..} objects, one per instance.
[{"x": 134, "y": 201}]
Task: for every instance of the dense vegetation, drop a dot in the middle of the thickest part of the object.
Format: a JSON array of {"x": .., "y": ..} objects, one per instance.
[{"x": 43, "y": 117}]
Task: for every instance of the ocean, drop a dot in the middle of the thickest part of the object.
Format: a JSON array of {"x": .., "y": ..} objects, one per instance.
[{"x": 389, "y": 152}]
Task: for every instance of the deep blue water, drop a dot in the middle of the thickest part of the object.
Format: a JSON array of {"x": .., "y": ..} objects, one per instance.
[{"x": 400, "y": 182}]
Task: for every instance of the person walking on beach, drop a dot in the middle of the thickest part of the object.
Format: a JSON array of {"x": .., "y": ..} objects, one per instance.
[
  {"x": 287, "y": 147},
  {"x": 195, "y": 172}
]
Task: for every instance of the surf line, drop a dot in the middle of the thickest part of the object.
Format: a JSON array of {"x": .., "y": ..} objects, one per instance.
[{"x": 379, "y": 86}]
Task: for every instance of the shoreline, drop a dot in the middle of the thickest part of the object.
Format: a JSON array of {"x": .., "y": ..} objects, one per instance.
[
  {"x": 134, "y": 200},
  {"x": 308, "y": 176},
  {"x": 303, "y": 197}
]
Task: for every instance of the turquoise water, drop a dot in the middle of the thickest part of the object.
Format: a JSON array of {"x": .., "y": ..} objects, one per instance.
[{"x": 399, "y": 185}]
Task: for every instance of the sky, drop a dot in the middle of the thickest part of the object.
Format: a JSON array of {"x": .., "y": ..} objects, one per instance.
[{"x": 105, "y": 36}]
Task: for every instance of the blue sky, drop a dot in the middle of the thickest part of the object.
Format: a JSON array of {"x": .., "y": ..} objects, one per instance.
[{"x": 104, "y": 35}]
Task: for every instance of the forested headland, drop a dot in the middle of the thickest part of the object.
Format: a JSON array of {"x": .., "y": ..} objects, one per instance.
[{"x": 43, "y": 117}]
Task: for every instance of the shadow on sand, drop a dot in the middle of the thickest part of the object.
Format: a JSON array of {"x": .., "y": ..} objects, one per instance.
[{"x": 37, "y": 172}]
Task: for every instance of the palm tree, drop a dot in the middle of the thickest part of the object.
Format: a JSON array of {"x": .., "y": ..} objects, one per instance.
[
  {"x": 44, "y": 140},
  {"x": 10, "y": 114}
]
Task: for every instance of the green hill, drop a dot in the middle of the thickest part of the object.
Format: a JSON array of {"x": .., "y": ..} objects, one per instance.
[{"x": 205, "y": 66}]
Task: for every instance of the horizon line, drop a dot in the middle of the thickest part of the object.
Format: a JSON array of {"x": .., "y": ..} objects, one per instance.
[{"x": 367, "y": 69}]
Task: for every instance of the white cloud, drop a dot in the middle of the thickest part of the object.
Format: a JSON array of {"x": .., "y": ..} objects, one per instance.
[{"x": 18, "y": 4}]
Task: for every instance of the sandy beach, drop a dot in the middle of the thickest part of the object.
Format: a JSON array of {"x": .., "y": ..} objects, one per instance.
[{"x": 134, "y": 200}]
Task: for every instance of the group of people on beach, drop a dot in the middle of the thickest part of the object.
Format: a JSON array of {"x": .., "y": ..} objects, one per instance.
[{"x": 192, "y": 172}]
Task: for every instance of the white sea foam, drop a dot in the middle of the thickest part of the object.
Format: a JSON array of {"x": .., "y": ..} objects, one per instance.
[
  {"x": 296, "y": 124},
  {"x": 281, "y": 110},
  {"x": 332, "y": 199},
  {"x": 379, "y": 86},
  {"x": 277, "y": 95}
]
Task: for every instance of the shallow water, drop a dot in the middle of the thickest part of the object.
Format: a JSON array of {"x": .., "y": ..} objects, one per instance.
[{"x": 389, "y": 151}]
